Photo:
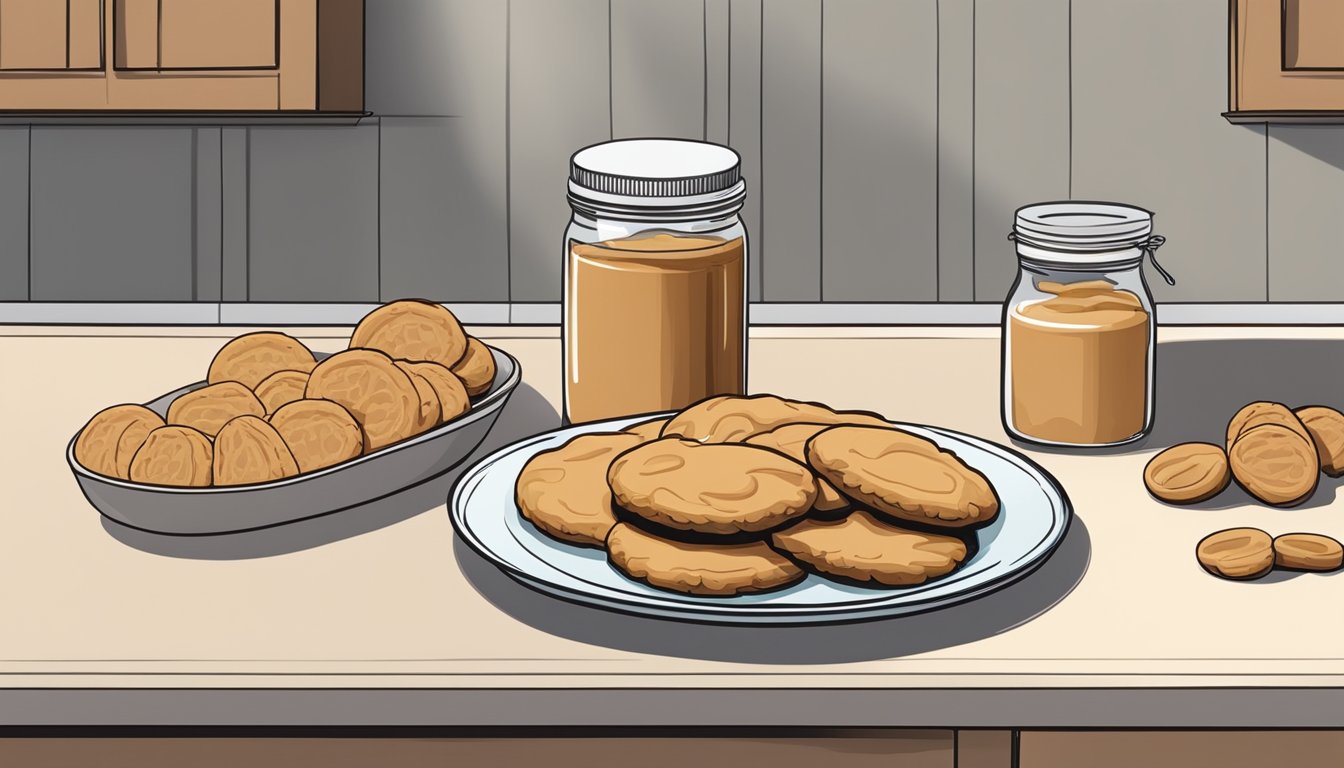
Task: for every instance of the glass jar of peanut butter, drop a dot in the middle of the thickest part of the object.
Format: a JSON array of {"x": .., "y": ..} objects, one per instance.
[
  {"x": 655, "y": 278},
  {"x": 1078, "y": 325}
]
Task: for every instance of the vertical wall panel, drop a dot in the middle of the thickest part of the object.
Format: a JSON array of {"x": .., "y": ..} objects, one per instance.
[
  {"x": 444, "y": 180},
  {"x": 879, "y": 163},
  {"x": 956, "y": 123},
  {"x": 744, "y": 123},
  {"x": 111, "y": 216},
  {"x": 1021, "y": 124},
  {"x": 789, "y": 189},
  {"x": 1147, "y": 130},
  {"x": 717, "y": 72},
  {"x": 14, "y": 213},
  {"x": 1306, "y": 230},
  {"x": 658, "y": 68},
  {"x": 233, "y": 213},
  {"x": 313, "y": 214},
  {"x": 208, "y": 205},
  {"x": 558, "y": 103}
]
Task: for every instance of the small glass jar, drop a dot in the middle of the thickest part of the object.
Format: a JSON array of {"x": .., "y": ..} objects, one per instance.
[
  {"x": 655, "y": 278},
  {"x": 1078, "y": 326}
]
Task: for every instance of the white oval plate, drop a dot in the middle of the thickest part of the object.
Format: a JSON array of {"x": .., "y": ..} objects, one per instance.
[{"x": 1033, "y": 518}]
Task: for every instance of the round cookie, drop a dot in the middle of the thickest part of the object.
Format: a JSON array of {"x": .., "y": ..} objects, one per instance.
[
  {"x": 109, "y": 441},
  {"x": 174, "y": 455},
  {"x": 718, "y": 489},
  {"x": 733, "y": 418},
  {"x": 648, "y": 430},
  {"x": 1187, "y": 473},
  {"x": 211, "y": 407},
  {"x": 248, "y": 450},
  {"x": 903, "y": 475},
  {"x": 253, "y": 356},
  {"x": 1260, "y": 413},
  {"x": 791, "y": 440},
  {"x": 1308, "y": 552},
  {"x": 281, "y": 387},
  {"x": 862, "y": 548},
  {"x": 1326, "y": 427},
  {"x": 319, "y": 433},
  {"x": 430, "y": 413},
  {"x": 373, "y": 389},
  {"x": 412, "y": 329},
  {"x": 1275, "y": 464},
  {"x": 448, "y": 389},
  {"x": 718, "y": 570},
  {"x": 1236, "y": 553},
  {"x": 476, "y": 369},
  {"x": 564, "y": 491}
]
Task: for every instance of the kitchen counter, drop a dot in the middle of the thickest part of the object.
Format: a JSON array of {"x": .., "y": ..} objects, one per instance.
[{"x": 377, "y": 616}]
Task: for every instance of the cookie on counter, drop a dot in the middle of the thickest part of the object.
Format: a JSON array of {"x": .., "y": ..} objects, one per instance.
[
  {"x": 380, "y": 396},
  {"x": 1308, "y": 552},
  {"x": 412, "y": 329},
  {"x": 1276, "y": 464},
  {"x": 249, "y": 450},
  {"x": 1236, "y": 553},
  {"x": 1326, "y": 427},
  {"x": 1187, "y": 473},
  {"x": 1260, "y": 413},
  {"x": 734, "y": 418},
  {"x": 717, "y": 489},
  {"x": 211, "y": 407},
  {"x": 903, "y": 475},
  {"x": 250, "y": 358},
  {"x": 719, "y": 570},
  {"x": 564, "y": 491},
  {"x": 863, "y": 549},
  {"x": 109, "y": 441}
]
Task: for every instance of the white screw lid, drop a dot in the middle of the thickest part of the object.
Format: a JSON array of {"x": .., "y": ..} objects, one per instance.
[
  {"x": 655, "y": 168},
  {"x": 1082, "y": 225}
]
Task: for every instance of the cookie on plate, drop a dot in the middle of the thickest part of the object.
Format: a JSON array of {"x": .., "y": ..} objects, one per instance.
[
  {"x": 249, "y": 450},
  {"x": 281, "y": 387},
  {"x": 174, "y": 455},
  {"x": 733, "y": 418},
  {"x": 476, "y": 369},
  {"x": 903, "y": 475},
  {"x": 109, "y": 441},
  {"x": 319, "y": 433},
  {"x": 252, "y": 357},
  {"x": 863, "y": 549},
  {"x": 380, "y": 396},
  {"x": 412, "y": 329},
  {"x": 720, "y": 489},
  {"x": 648, "y": 430},
  {"x": 211, "y": 407},
  {"x": 719, "y": 570},
  {"x": 791, "y": 440},
  {"x": 564, "y": 491}
]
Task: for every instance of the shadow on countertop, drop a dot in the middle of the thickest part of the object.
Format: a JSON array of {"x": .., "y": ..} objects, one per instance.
[
  {"x": 526, "y": 414},
  {"x": 986, "y": 616}
]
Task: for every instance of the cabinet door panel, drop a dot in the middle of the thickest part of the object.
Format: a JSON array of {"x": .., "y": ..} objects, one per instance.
[
  {"x": 1313, "y": 34},
  {"x": 197, "y": 34},
  {"x": 32, "y": 34},
  {"x": 84, "y": 37}
]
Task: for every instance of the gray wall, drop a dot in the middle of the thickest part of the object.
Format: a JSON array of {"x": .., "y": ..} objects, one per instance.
[{"x": 886, "y": 144}]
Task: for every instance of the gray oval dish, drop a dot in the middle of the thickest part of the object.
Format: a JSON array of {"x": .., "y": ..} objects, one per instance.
[{"x": 203, "y": 511}]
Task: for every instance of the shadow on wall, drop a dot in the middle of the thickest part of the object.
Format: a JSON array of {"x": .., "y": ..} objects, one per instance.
[{"x": 1322, "y": 142}]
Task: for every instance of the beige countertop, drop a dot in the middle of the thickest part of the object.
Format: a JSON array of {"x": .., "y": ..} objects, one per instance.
[{"x": 378, "y": 616}]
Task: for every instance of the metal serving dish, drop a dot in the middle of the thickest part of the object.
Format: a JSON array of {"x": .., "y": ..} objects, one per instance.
[{"x": 197, "y": 511}]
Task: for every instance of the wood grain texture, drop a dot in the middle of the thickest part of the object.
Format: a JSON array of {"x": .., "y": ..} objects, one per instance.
[
  {"x": 130, "y": 192},
  {"x": 744, "y": 124},
  {"x": 1306, "y": 187},
  {"x": 1021, "y": 125},
  {"x": 14, "y": 213},
  {"x": 791, "y": 151},
  {"x": 313, "y": 213},
  {"x": 879, "y": 174},
  {"x": 1159, "y": 142},
  {"x": 554, "y": 111},
  {"x": 658, "y": 68},
  {"x": 956, "y": 150}
]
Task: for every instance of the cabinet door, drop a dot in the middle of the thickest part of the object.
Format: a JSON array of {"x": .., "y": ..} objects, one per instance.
[
  {"x": 51, "y": 35},
  {"x": 186, "y": 35}
]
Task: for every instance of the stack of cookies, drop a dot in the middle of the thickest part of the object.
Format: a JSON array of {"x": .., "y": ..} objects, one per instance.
[
  {"x": 748, "y": 494},
  {"x": 270, "y": 410}
]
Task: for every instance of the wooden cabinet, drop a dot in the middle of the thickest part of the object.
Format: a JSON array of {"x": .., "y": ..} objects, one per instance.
[
  {"x": 182, "y": 55},
  {"x": 1286, "y": 60}
]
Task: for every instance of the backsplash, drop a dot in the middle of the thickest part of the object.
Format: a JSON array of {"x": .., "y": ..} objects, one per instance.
[{"x": 886, "y": 145}]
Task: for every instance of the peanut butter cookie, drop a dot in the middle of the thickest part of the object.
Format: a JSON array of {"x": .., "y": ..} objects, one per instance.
[
  {"x": 699, "y": 569},
  {"x": 319, "y": 433},
  {"x": 252, "y": 357},
  {"x": 791, "y": 440},
  {"x": 476, "y": 369},
  {"x": 714, "y": 489},
  {"x": 211, "y": 407},
  {"x": 174, "y": 455},
  {"x": 1260, "y": 413},
  {"x": 903, "y": 475},
  {"x": 862, "y": 548},
  {"x": 448, "y": 388},
  {"x": 380, "y": 396},
  {"x": 1187, "y": 473},
  {"x": 248, "y": 450},
  {"x": 564, "y": 491},
  {"x": 732, "y": 418},
  {"x": 649, "y": 430},
  {"x": 1308, "y": 552},
  {"x": 281, "y": 387},
  {"x": 412, "y": 329},
  {"x": 430, "y": 413},
  {"x": 109, "y": 441},
  {"x": 1275, "y": 464},
  {"x": 1236, "y": 553},
  {"x": 1326, "y": 427}
]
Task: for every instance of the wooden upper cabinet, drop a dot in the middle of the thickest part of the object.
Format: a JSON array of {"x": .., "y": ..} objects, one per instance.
[
  {"x": 182, "y": 55},
  {"x": 1286, "y": 56}
]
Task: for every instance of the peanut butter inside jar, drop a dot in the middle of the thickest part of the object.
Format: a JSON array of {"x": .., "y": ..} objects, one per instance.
[{"x": 1079, "y": 360}]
